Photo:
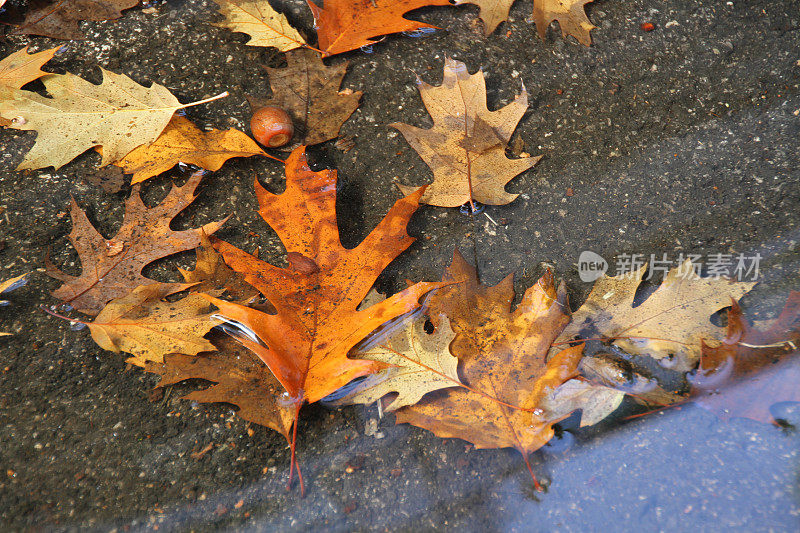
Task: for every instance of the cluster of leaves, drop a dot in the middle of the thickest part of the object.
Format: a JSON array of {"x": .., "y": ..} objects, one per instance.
[{"x": 271, "y": 339}]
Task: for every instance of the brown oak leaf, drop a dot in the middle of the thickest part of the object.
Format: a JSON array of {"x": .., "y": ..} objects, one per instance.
[
  {"x": 309, "y": 91},
  {"x": 212, "y": 276},
  {"x": 466, "y": 146},
  {"x": 344, "y": 25},
  {"x": 183, "y": 142},
  {"x": 113, "y": 267},
  {"x": 239, "y": 377},
  {"x": 501, "y": 359},
  {"x": 751, "y": 369},
  {"x": 59, "y": 18}
]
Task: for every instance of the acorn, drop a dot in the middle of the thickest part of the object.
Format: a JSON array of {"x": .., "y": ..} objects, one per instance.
[{"x": 272, "y": 126}]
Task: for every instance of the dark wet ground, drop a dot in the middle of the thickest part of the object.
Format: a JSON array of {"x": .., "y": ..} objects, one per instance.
[{"x": 683, "y": 139}]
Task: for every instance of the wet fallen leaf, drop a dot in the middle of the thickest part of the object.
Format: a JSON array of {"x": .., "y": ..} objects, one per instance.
[
  {"x": 212, "y": 276},
  {"x": 669, "y": 324},
  {"x": 239, "y": 377},
  {"x": 420, "y": 363},
  {"x": 466, "y": 146},
  {"x": 492, "y": 12},
  {"x": 59, "y": 18},
  {"x": 570, "y": 14},
  {"x": 751, "y": 369},
  {"x": 142, "y": 324},
  {"x": 309, "y": 91},
  {"x": 118, "y": 115},
  {"x": 502, "y": 360},
  {"x": 145, "y": 235},
  {"x": 344, "y": 25},
  {"x": 595, "y": 401},
  {"x": 21, "y": 67},
  {"x": 261, "y": 22},
  {"x": 183, "y": 142},
  {"x": 317, "y": 322}
]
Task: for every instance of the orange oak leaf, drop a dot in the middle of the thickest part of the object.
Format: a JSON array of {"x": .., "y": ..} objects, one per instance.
[
  {"x": 309, "y": 91},
  {"x": 305, "y": 343},
  {"x": 111, "y": 268},
  {"x": 501, "y": 360},
  {"x": 466, "y": 147},
  {"x": 751, "y": 369},
  {"x": 570, "y": 14},
  {"x": 183, "y": 142},
  {"x": 239, "y": 377},
  {"x": 59, "y": 18},
  {"x": 344, "y": 25}
]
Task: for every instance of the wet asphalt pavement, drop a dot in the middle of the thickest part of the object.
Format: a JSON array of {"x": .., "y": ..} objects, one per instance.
[{"x": 681, "y": 139}]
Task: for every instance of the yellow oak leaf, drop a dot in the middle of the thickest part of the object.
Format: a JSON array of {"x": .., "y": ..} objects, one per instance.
[{"x": 183, "y": 142}]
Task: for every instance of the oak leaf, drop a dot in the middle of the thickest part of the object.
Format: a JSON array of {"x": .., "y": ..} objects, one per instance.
[
  {"x": 119, "y": 115},
  {"x": 466, "y": 146},
  {"x": 183, "y": 142},
  {"x": 669, "y": 324},
  {"x": 501, "y": 361},
  {"x": 112, "y": 267},
  {"x": 142, "y": 324},
  {"x": 751, "y": 369},
  {"x": 309, "y": 91},
  {"x": 239, "y": 377},
  {"x": 212, "y": 276},
  {"x": 492, "y": 12},
  {"x": 317, "y": 322},
  {"x": 570, "y": 14},
  {"x": 21, "y": 67},
  {"x": 344, "y": 25},
  {"x": 59, "y": 18},
  {"x": 261, "y": 22},
  {"x": 595, "y": 401},
  {"x": 420, "y": 363}
]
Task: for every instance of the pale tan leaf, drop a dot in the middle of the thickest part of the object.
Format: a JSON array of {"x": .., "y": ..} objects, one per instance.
[
  {"x": 261, "y": 22},
  {"x": 670, "y": 323},
  {"x": 421, "y": 363},
  {"x": 493, "y": 12},
  {"x": 595, "y": 401},
  {"x": 119, "y": 115},
  {"x": 465, "y": 148},
  {"x": 570, "y": 14}
]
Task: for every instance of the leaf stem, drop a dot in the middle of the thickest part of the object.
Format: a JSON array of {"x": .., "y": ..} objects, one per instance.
[
  {"x": 73, "y": 320},
  {"x": 205, "y": 100}
]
